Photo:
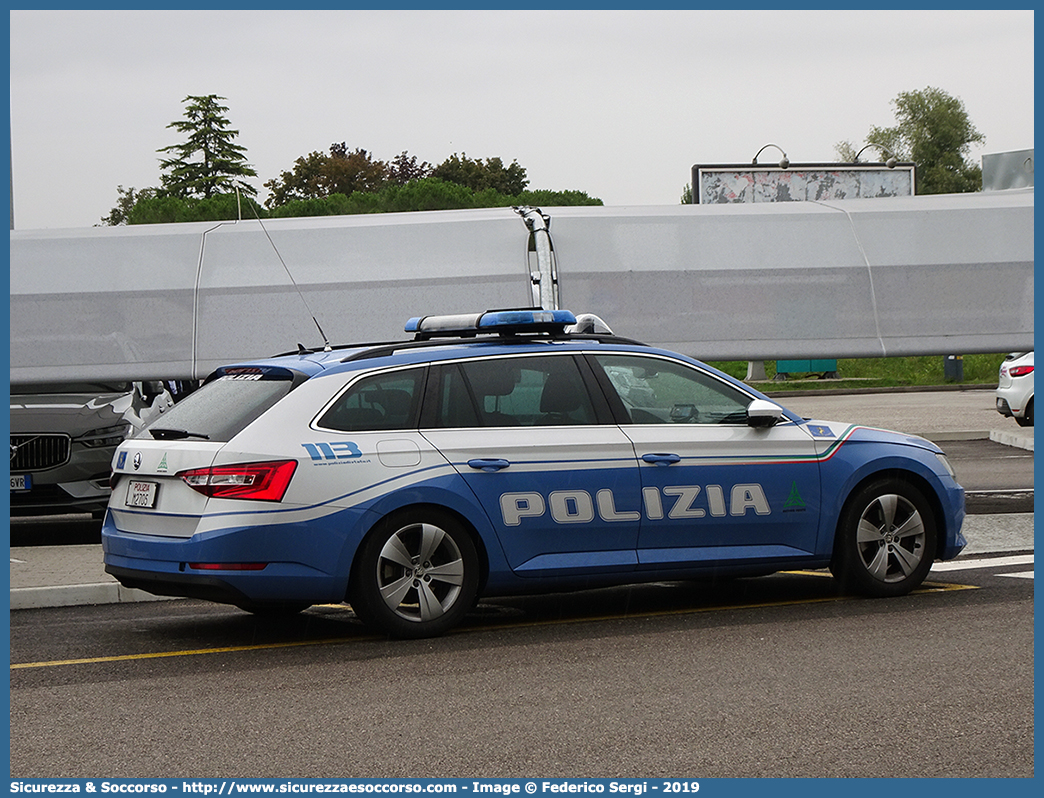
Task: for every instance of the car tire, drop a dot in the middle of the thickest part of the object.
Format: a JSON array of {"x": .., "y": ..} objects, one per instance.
[
  {"x": 416, "y": 574},
  {"x": 1026, "y": 420},
  {"x": 886, "y": 540}
]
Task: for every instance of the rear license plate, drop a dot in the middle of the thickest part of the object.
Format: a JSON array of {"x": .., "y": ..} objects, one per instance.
[
  {"x": 141, "y": 494},
  {"x": 21, "y": 482}
]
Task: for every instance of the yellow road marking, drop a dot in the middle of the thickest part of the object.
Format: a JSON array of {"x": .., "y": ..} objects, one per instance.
[
  {"x": 186, "y": 653},
  {"x": 927, "y": 587}
]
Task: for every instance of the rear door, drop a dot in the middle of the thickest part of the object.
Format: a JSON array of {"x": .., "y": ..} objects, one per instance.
[
  {"x": 557, "y": 478},
  {"x": 714, "y": 489}
]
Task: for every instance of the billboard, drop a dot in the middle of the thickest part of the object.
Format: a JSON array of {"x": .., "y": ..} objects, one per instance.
[
  {"x": 748, "y": 183},
  {"x": 1007, "y": 170}
]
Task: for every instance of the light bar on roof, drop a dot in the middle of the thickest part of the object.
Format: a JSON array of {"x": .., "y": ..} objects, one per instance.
[
  {"x": 521, "y": 318},
  {"x": 492, "y": 321}
]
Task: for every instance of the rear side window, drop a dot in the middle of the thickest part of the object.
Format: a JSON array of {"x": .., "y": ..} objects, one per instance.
[
  {"x": 513, "y": 392},
  {"x": 386, "y": 401},
  {"x": 222, "y": 408}
]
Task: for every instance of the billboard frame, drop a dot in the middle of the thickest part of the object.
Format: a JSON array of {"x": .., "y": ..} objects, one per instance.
[{"x": 700, "y": 171}]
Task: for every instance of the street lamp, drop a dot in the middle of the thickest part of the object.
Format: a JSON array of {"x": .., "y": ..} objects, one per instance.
[
  {"x": 783, "y": 164},
  {"x": 890, "y": 163}
]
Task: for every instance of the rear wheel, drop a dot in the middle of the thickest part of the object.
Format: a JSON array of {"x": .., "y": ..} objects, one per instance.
[
  {"x": 416, "y": 574},
  {"x": 885, "y": 541},
  {"x": 1026, "y": 420}
]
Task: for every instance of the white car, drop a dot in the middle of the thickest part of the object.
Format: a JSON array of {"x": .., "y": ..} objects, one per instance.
[{"x": 1015, "y": 389}]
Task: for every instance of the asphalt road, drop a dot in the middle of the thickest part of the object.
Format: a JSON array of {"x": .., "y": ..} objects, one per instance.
[
  {"x": 996, "y": 478},
  {"x": 773, "y": 677}
]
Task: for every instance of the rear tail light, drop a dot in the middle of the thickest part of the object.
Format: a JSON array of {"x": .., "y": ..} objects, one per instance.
[
  {"x": 265, "y": 482},
  {"x": 1020, "y": 371}
]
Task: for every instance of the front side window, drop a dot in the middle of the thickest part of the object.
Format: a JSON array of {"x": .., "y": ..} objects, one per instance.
[
  {"x": 513, "y": 392},
  {"x": 387, "y": 401},
  {"x": 657, "y": 391}
]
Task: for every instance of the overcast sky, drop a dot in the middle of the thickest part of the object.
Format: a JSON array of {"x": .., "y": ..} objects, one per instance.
[{"x": 619, "y": 104}]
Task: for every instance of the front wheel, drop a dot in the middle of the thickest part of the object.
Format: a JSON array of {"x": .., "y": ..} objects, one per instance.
[
  {"x": 416, "y": 574},
  {"x": 885, "y": 540}
]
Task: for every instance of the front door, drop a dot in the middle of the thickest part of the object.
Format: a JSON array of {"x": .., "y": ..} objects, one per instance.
[
  {"x": 713, "y": 488},
  {"x": 560, "y": 487}
]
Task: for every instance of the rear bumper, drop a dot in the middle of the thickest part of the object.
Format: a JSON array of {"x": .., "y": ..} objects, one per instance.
[
  {"x": 179, "y": 585},
  {"x": 276, "y": 583},
  {"x": 292, "y": 563}
]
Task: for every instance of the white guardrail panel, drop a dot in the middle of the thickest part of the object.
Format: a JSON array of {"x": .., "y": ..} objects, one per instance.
[
  {"x": 860, "y": 278},
  {"x": 121, "y": 303},
  {"x": 922, "y": 275}
]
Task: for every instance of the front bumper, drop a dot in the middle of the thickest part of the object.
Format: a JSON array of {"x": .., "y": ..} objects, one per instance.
[
  {"x": 87, "y": 496},
  {"x": 952, "y": 540}
]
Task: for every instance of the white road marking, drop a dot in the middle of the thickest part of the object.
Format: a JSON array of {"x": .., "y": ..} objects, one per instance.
[{"x": 985, "y": 562}]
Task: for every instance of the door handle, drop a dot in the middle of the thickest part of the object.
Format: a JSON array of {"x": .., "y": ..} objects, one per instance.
[
  {"x": 657, "y": 458},
  {"x": 482, "y": 464}
]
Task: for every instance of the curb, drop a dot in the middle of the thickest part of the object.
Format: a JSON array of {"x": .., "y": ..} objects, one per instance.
[
  {"x": 782, "y": 394},
  {"x": 1012, "y": 439},
  {"x": 28, "y": 598},
  {"x": 942, "y": 437}
]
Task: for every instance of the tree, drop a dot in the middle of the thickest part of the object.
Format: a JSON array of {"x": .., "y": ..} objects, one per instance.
[
  {"x": 167, "y": 209},
  {"x": 426, "y": 194},
  {"x": 478, "y": 176},
  {"x": 316, "y": 175},
  {"x": 404, "y": 168},
  {"x": 933, "y": 130},
  {"x": 210, "y": 161},
  {"x": 846, "y": 153},
  {"x": 126, "y": 200}
]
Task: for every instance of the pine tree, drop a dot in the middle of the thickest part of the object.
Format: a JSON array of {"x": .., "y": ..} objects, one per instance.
[{"x": 210, "y": 161}]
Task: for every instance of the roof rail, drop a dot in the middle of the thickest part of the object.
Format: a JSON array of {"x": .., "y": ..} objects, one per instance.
[{"x": 510, "y": 326}]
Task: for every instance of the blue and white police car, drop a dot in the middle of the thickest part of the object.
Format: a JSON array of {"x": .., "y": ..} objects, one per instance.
[{"x": 505, "y": 453}]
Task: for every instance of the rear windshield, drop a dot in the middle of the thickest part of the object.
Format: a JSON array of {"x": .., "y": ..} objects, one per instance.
[{"x": 220, "y": 409}]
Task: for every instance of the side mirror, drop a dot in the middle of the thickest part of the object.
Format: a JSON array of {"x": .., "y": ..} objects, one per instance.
[{"x": 762, "y": 413}]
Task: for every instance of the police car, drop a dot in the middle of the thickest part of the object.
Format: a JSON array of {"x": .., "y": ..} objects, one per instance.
[{"x": 504, "y": 453}]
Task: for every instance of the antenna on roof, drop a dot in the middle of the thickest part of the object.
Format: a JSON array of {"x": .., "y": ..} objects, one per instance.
[{"x": 326, "y": 341}]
